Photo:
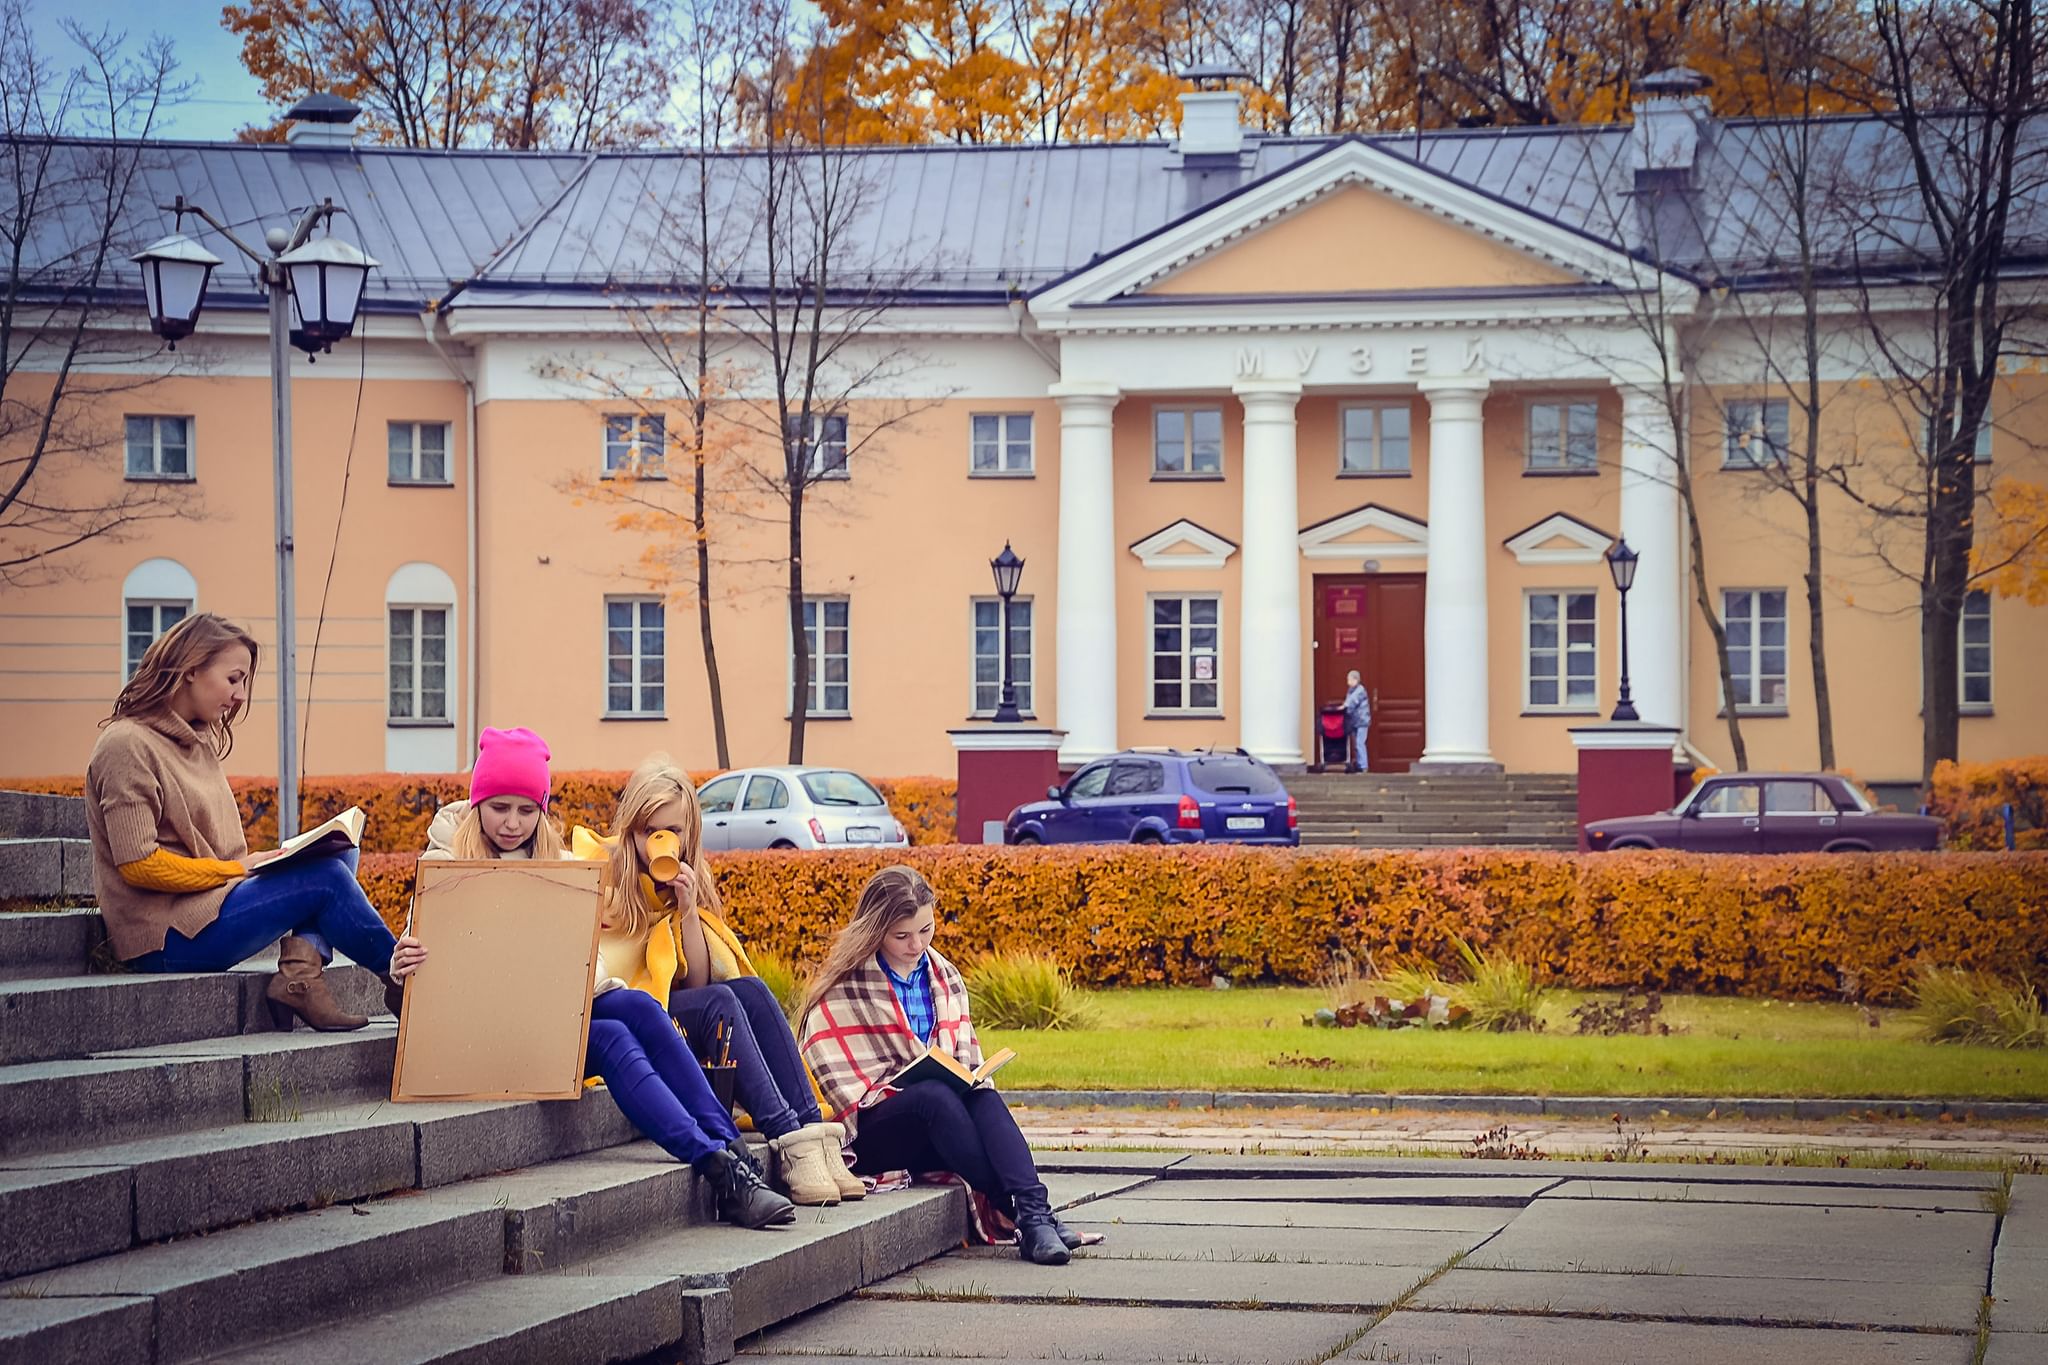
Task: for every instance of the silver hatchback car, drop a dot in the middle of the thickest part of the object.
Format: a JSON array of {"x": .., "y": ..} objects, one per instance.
[{"x": 796, "y": 808}]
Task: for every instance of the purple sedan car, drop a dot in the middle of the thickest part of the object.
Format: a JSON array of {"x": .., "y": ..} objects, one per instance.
[{"x": 1770, "y": 813}]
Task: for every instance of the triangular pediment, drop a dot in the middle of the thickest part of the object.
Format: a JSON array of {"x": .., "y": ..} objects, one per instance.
[
  {"x": 1183, "y": 545},
  {"x": 1559, "y": 539},
  {"x": 1383, "y": 532},
  {"x": 1355, "y": 240}
]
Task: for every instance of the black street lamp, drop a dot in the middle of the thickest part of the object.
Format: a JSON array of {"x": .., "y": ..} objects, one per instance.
[
  {"x": 1621, "y": 562},
  {"x": 1009, "y": 571}
]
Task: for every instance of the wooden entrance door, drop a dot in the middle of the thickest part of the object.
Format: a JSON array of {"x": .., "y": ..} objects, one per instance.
[{"x": 1373, "y": 623}]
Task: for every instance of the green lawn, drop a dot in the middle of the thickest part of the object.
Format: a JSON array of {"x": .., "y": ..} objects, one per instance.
[{"x": 1185, "y": 1039}]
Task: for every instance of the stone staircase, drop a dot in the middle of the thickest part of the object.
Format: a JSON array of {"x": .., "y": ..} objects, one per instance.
[
  {"x": 1416, "y": 810},
  {"x": 178, "y": 1182}
]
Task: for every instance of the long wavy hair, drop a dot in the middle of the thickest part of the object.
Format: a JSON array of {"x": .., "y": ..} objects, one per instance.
[
  {"x": 175, "y": 656},
  {"x": 891, "y": 896},
  {"x": 656, "y": 782},
  {"x": 470, "y": 841}
]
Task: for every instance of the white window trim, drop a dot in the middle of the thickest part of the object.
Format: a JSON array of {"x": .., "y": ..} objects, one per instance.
[
  {"x": 1187, "y": 410},
  {"x": 1030, "y": 656},
  {"x": 1152, "y": 710},
  {"x": 1564, "y": 402},
  {"x": 605, "y": 657},
  {"x": 1782, "y": 456},
  {"x": 1156, "y": 551},
  {"x": 789, "y": 659},
  {"x": 447, "y": 480},
  {"x": 1379, "y": 469},
  {"x": 1585, "y": 544},
  {"x": 156, "y": 447},
  {"x": 419, "y": 722},
  {"x": 1030, "y": 469},
  {"x": 813, "y": 472},
  {"x": 1987, "y": 707},
  {"x": 1756, "y": 646},
  {"x": 127, "y": 665},
  {"x": 638, "y": 465},
  {"x": 1560, "y": 707}
]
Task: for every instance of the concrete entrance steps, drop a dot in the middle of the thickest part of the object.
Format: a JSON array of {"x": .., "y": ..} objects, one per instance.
[
  {"x": 139, "y": 1112},
  {"x": 1416, "y": 810}
]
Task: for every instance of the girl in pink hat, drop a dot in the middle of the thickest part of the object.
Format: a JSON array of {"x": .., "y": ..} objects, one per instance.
[{"x": 506, "y": 815}]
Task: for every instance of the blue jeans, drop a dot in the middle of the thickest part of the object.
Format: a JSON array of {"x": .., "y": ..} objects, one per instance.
[
  {"x": 771, "y": 1082},
  {"x": 1358, "y": 749},
  {"x": 653, "y": 1078},
  {"x": 317, "y": 898}
]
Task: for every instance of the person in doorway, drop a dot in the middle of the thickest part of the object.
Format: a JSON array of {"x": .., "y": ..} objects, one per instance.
[{"x": 1357, "y": 720}]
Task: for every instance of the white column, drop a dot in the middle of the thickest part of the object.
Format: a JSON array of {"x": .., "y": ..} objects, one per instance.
[
  {"x": 1269, "y": 704},
  {"x": 1456, "y": 730},
  {"x": 1085, "y": 642},
  {"x": 1650, "y": 524}
]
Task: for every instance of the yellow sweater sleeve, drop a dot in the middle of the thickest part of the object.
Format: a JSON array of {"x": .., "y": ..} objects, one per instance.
[{"x": 164, "y": 870}]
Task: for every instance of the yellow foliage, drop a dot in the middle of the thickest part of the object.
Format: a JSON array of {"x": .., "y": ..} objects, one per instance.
[{"x": 2011, "y": 559}]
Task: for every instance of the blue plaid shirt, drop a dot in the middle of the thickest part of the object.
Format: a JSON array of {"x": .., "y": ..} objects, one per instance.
[{"x": 914, "y": 993}]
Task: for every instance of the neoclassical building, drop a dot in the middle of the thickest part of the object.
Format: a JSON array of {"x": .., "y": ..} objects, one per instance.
[{"x": 1256, "y": 411}]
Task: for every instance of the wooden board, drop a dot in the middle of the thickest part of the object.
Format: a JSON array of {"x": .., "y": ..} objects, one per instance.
[{"x": 501, "y": 1010}]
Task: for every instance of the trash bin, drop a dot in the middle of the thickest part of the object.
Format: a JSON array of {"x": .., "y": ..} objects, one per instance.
[{"x": 1330, "y": 728}]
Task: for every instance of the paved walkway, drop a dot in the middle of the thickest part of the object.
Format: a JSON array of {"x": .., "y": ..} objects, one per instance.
[{"x": 1277, "y": 1259}]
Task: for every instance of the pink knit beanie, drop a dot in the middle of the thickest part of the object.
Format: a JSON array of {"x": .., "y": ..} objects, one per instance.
[{"x": 510, "y": 763}]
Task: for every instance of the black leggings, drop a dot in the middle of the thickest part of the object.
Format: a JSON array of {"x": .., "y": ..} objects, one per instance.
[{"x": 931, "y": 1127}]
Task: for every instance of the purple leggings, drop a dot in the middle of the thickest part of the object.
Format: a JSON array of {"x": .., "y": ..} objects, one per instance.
[{"x": 653, "y": 1078}]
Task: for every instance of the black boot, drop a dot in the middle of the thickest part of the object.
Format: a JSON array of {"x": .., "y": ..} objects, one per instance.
[
  {"x": 1073, "y": 1240},
  {"x": 742, "y": 1197},
  {"x": 738, "y": 1147},
  {"x": 1038, "y": 1238},
  {"x": 394, "y": 995}
]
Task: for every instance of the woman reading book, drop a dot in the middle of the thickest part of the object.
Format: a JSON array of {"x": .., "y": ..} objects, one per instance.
[
  {"x": 171, "y": 864},
  {"x": 883, "y": 999}
]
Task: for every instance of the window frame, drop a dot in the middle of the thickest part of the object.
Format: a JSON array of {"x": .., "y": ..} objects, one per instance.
[
  {"x": 1153, "y": 711},
  {"x": 1027, "y": 691},
  {"x": 643, "y": 428},
  {"x": 1964, "y": 705},
  {"x": 1563, "y": 650},
  {"x": 155, "y": 474},
  {"x": 416, "y": 721},
  {"x": 638, "y": 630},
  {"x": 156, "y": 606},
  {"x": 1379, "y": 469},
  {"x": 1188, "y": 474},
  {"x": 704, "y": 798},
  {"x": 1782, "y": 453},
  {"x": 813, "y": 443},
  {"x": 1564, "y": 403},
  {"x": 817, "y": 656},
  {"x": 1003, "y": 445},
  {"x": 1755, "y": 648},
  {"x": 447, "y": 479}
]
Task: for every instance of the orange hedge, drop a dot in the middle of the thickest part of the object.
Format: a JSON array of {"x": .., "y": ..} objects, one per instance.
[
  {"x": 398, "y": 807},
  {"x": 1969, "y": 796},
  {"x": 1787, "y": 927}
]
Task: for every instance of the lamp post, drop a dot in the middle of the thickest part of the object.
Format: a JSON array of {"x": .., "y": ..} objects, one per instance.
[
  {"x": 1009, "y": 571},
  {"x": 1621, "y": 562},
  {"x": 315, "y": 288}
]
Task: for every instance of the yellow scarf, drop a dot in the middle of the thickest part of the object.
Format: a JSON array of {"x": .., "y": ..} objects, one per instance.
[{"x": 664, "y": 959}]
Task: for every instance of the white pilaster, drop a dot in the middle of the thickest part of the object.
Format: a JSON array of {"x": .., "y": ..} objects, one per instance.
[
  {"x": 1650, "y": 524},
  {"x": 1085, "y": 621},
  {"x": 1456, "y": 730},
  {"x": 1269, "y": 673}
]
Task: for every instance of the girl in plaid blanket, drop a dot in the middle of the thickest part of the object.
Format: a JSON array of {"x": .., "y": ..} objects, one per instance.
[{"x": 881, "y": 998}]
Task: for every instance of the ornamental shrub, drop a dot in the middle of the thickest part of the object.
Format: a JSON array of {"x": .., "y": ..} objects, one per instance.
[{"x": 1970, "y": 797}]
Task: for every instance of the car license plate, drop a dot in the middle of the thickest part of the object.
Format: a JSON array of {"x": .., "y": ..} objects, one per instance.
[
  {"x": 863, "y": 834},
  {"x": 1246, "y": 822}
]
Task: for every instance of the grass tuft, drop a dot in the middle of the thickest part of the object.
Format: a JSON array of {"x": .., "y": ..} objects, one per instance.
[
  {"x": 1502, "y": 994},
  {"x": 1027, "y": 991},
  {"x": 1955, "y": 1006},
  {"x": 782, "y": 979}
]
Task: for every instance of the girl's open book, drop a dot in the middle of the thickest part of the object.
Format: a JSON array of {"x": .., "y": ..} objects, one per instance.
[
  {"x": 343, "y": 831},
  {"x": 936, "y": 1065}
]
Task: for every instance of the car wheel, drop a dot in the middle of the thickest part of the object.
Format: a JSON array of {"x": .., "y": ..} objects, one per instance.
[
  {"x": 781, "y": 843},
  {"x": 1146, "y": 836},
  {"x": 1026, "y": 837},
  {"x": 1846, "y": 848},
  {"x": 1633, "y": 843}
]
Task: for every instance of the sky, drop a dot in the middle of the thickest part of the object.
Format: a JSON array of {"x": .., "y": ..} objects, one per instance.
[{"x": 224, "y": 98}]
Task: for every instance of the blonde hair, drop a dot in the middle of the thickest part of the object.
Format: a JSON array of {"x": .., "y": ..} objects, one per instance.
[
  {"x": 890, "y": 896},
  {"x": 176, "y": 655},
  {"x": 470, "y": 841},
  {"x": 652, "y": 785}
]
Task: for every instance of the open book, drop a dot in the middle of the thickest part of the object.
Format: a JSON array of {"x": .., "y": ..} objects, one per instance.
[
  {"x": 939, "y": 1065},
  {"x": 343, "y": 831}
]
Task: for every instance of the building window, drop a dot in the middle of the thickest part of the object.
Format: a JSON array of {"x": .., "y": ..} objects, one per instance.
[
  {"x": 1002, "y": 443},
  {"x": 635, "y": 656},
  {"x": 988, "y": 676},
  {"x": 635, "y": 443},
  {"x": 1974, "y": 654},
  {"x": 1755, "y": 622},
  {"x": 419, "y": 452},
  {"x": 1563, "y": 651},
  {"x": 1375, "y": 441},
  {"x": 827, "y": 640},
  {"x": 146, "y": 621},
  {"x": 1758, "y": 433},
  {"x": 1187, "y": 443},
  {"x": 159, "y": 447},
  {"x": 1186, "y": 654},
  {"x": 418, "y": 665},
  {"x": 824, "y": 453},
  {"x": 1564, "y": 436}
]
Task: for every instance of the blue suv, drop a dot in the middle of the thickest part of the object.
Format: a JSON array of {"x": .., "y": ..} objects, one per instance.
[{"x": 1162, "y": 796}]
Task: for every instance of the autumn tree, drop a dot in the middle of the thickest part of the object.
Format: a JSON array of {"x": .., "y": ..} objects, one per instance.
[{"x": 70, "y": 143}]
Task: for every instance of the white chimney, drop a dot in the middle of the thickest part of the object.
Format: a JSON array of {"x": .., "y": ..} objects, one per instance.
[
  {"x": 1209, "y": 123},
  {"x": 1669, "y": 113},
  {"x": 321, "y": 120}
]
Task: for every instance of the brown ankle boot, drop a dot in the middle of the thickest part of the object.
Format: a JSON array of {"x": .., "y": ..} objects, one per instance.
[{"x": 300, "y": 988}]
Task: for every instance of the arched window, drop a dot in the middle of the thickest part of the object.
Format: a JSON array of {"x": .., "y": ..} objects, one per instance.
[{"x": 156, "y": 595}]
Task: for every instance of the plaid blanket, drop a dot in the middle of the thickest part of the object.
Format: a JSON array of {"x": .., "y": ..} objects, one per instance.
[{"x": 856, "y": 1037}]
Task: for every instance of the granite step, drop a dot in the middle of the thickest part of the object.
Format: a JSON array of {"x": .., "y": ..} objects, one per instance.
[{"x": 46, "y": 943}]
